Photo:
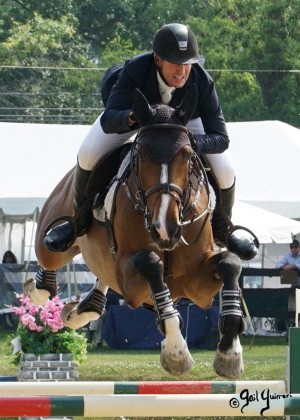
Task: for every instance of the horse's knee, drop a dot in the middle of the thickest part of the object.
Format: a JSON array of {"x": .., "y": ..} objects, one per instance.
[
  {"x": 149, "y": 265},
  {"x": 229, "y": 265}
]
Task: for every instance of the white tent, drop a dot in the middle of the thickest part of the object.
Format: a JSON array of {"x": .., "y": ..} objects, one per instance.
[
  {"x": 266, "y": 155},
  {"x": 268, "y": 227},
  {"x": 33, "y": 160},
  {"x": 17, "y": 223},
  {"x": 36, "y": 156}
]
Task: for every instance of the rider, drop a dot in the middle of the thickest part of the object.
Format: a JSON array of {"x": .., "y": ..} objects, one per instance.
[{"x": 163, "y": 75}]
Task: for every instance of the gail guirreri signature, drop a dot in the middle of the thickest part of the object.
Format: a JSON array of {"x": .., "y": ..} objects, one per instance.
[{"x": 246, "y": 398}]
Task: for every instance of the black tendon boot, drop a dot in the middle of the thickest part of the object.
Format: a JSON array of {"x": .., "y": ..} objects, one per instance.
[
  {"x": 242, "y": 242},
  {"x": 62, "y": 237}
]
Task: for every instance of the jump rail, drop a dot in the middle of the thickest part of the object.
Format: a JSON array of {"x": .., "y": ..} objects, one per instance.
[
  {"x": 143, "y": 387},
  {"x": 225, "y": 405}
]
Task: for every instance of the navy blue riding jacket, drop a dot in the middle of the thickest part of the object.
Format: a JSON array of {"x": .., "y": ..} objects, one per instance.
[{"x": 141, "y": 72}]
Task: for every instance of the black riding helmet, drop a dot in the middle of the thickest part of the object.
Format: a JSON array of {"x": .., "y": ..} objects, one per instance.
[{"x": 177, "y": 44}]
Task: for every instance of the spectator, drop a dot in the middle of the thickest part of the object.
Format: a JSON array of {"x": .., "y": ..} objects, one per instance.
[
  {"x": 291, "y": 261},
  {"x": 94, "y": 335},
  {"x": 10, "y": 320},
  {"x": 9, "y": 258}
]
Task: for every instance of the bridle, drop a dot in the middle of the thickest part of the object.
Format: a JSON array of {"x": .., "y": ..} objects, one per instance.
[{"x": 187, "y": 210}]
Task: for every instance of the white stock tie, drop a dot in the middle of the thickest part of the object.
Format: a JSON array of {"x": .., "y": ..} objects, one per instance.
[{"x": 165, "y": 90}]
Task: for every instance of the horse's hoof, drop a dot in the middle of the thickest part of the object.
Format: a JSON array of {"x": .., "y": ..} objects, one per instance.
[
  {"x": 71, "y": 319},
  {"x": 37, "y": 296},
  {"x": 176, "y": 362},
  {"x": 229, "y": 366}
]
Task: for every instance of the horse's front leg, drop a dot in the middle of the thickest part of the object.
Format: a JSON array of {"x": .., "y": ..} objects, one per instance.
[
  {"x": 229, "y": 357},
  {"x": 175, "y": 356}
]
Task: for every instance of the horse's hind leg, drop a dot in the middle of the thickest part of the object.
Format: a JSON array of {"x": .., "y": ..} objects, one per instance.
[
  {"x": 42, "y": 287},
  {"x": 175, "y": 356},
  {"x": 229, "y": 359},
  {"x": 77, "y": 314}
]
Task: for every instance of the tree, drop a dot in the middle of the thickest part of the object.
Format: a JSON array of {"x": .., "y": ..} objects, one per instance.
[
  {"x": 251, "y": 49},
  {"x": 273, "y": 50},
  {"x": 260, "y": 41},
  {"x": 38, "y": 87}
]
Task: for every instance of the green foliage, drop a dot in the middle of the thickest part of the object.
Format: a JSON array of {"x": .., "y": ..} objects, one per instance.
[
  {"x": 252, "y": 49},
  {"x": 64, "y": 341},
  {"x": 258, "y": 39},
  {"x": 45, "y": 94},
  {"x": 240, "y": 96},
  {"x": 116, "y": 52},
  {"x": 74, "y": 343}
]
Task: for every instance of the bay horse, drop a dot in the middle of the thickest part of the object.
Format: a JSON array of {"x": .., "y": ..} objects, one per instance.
[{"x": 156, "y": 245}]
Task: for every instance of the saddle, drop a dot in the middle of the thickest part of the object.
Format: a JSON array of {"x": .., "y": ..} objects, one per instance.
[{"x": 104, "y": 174}]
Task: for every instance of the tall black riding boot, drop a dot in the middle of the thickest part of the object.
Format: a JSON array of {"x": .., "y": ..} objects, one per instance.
[
  {"x": 220, "y": 225},
  {"x": 244, "y": 246},
  {"x": 62, "y": 237}
]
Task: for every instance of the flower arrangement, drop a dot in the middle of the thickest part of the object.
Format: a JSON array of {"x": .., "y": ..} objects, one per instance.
[{"x": 41, "y": 330}]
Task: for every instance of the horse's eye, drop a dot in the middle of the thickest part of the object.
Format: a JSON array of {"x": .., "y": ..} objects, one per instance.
[
  {"x": 141, "y": 157},
  {"x": 187, "y": 155}
]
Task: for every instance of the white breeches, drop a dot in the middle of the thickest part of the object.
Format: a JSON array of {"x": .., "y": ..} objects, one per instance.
[
  {"x": 221, "y": 163},
  {"x": 97, "y": 144}
]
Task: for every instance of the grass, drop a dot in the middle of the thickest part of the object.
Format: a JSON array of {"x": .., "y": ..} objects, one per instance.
[{"x": 265, "y": 359}]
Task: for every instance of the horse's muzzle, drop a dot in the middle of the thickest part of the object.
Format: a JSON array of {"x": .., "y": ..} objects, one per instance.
[{"x": 169, "y": 244}]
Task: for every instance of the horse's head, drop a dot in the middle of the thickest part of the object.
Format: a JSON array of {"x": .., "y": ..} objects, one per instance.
[{"x": 163, "y": 160}]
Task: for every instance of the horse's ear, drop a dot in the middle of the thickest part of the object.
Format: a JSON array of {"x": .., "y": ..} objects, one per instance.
[
  {"x": 141, "y": 108},
  {"x": 188, "y": 105}
]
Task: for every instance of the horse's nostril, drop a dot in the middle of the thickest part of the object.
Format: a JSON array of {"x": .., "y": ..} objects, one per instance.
[
  {"x": 177, "y": 234},
  {"x": 154, "y": 232},
  {"x": 157, "y": 225}
]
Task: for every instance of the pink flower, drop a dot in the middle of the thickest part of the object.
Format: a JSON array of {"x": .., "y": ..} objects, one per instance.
[
  {"x": 34, "y": 327},
  {"x": 34, "y": 317},
  {"x": 27, "y": 319},
  {"x": 55, "y": 324},
  {"x": 33, "y": 310},
  {"x": 44, "y": 316},
  {"x": 17, "y": 310},
  {"x": 25, "y": 301}
]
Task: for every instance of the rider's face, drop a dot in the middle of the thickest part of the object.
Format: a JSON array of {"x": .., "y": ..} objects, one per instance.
[{"x": 174, "y": 74}]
